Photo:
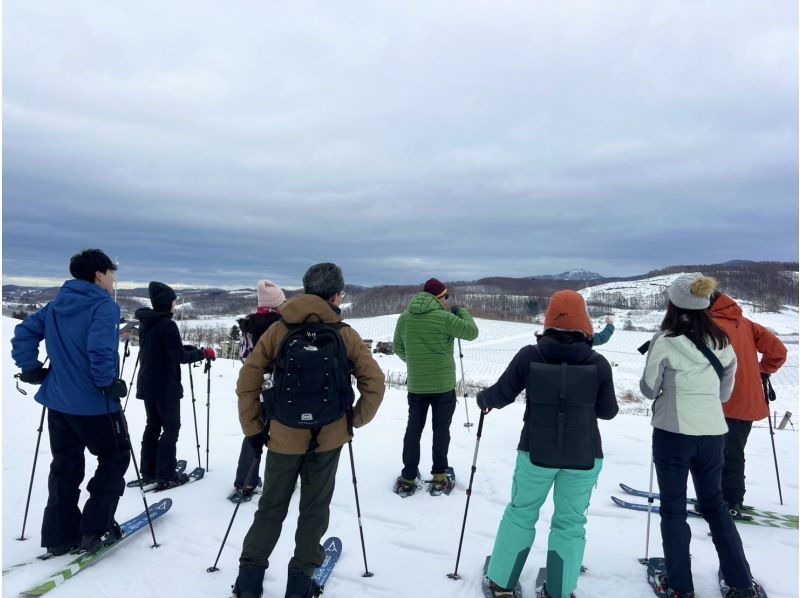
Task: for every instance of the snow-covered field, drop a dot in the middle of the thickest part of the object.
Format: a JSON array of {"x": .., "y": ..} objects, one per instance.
[{"x": 411, "y": 544}]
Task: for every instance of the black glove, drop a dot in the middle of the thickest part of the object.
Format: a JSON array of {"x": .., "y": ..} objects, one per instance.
[
  {"x": 36, "y": 376},
  {"x": 189, "y": 348},
  {"x": 258, "y": 441},
  {"x": 455, "y": 309},
  {"x": 117, "y": 390},
  {"x": 482, "y": 403}
]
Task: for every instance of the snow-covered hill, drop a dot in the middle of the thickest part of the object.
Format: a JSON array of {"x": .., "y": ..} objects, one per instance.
[{"x": 411, "y": 544}]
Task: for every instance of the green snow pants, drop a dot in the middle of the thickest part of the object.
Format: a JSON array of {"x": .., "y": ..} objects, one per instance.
[
  {"x": 517, "y": 530},
  {"x": 317, "y": 479}
]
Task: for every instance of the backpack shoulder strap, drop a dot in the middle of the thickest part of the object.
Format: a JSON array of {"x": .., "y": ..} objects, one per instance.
[{"x": 713, "y": 359}]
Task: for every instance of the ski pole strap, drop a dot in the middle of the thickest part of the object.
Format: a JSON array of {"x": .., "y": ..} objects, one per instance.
[
  {"x": 769, "y": 392},
  {"x": 715, "y": 362}
]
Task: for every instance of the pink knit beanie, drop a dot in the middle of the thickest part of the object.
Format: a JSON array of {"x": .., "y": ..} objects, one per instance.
[{"x": 269, "y": 294}]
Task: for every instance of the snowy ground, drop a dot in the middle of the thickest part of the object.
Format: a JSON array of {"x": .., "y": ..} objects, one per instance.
[{"x": 411, "y": 544}]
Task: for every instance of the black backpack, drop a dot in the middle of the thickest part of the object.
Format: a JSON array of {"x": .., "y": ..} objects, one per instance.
[
  {"x": 560, "y": 411},
  {"x": 311, "y": 384}
]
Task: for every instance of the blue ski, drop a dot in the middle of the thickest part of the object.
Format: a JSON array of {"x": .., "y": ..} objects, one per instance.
[{"x": 333, "y": 549}]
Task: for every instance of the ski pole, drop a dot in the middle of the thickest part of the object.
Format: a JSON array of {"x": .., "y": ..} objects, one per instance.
[
  {"x": 130, "y": 386},
  {"x": 249, "y": 477},
  {"x": 33, "y": 470},
  {"x": 769, "y": 395},
  {"x": 367, "y": 572},
  {"x": 139, "y": 479},
  {"x": 454, "y": 574},
  {"x": 125, "y": 353},
  {"x": 194, "y": 413},
  {"x": 208, "y": 406},
  {"x": 650, "y": 499},
  {"x": 463, "y": 385}
]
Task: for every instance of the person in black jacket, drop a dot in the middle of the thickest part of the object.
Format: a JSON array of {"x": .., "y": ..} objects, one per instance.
[
  {"x": 161, "y": 353},
  {"x": 548, "y": 371},
  {"x": 270, "y": 297}
]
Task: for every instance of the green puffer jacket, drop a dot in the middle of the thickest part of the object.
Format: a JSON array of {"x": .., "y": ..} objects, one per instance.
[{"x": 424, "y": 340}]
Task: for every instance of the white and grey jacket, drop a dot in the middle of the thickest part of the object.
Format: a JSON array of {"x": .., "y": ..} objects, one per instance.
[{"x": 687, "y": 391}]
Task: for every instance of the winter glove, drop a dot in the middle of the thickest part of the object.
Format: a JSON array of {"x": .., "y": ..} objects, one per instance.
[
  {"x": 36, "y": 376},
  {"x": 189, "y": 348},
  {"x": 483, "y": 403},
  {"x": 117, "y": 390},
  {"x": 455, "y": 309},
  {"x": 208, "y": 353},
  {"x": 258, "y": 441}
]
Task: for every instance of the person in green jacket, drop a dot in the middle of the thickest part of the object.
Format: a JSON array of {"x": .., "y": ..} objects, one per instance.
[
  {"x": 600, "y": 338},
  {"x": 424, "y": 339}
]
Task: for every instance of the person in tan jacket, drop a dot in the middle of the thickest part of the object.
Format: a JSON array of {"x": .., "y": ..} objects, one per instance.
[{"x": 293, "y": 452}]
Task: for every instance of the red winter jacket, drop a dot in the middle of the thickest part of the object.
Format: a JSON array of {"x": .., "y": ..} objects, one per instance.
[{"x": 748, "y": 339}]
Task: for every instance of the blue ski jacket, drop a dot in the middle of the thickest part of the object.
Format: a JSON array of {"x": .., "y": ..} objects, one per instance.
[{"x": 80, "y": 328}]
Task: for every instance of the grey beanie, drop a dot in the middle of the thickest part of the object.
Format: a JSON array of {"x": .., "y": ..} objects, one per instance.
[
  {"x": 691, "y": 291},
  {"x": 323, "y": 280}
]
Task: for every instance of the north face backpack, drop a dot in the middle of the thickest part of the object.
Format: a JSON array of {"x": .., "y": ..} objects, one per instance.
[
  {"x": 560, "y": 411},
  {"x": 311, "y": 385}
]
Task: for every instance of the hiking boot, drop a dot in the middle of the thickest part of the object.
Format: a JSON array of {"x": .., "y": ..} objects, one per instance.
[
  {"x": 300, "y": 585},
  {"x": 249, "y": 583},
  {"x": 499, "y": 592},
  {"x": 750, "y": 592},
  {"x": 663, "y": 582},
  {"x": 736, "y": 511},
  {"x": 179, "y": 480},
  {"x": 438, "y": 484},
  {"x": 94, "y": 542},
  {"x": 64, "y": 548}
]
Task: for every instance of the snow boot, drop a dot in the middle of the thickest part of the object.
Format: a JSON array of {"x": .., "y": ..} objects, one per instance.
[
  {"x": 405, "y": 488},
  {"x": 249, "y": 583},
  {"x": 300, "y": 585},
  {"x": 180, "y": 480},
  {"x": 94, "y": 542},
  {"x": 64, "y": 548},
  {"x": 499, "y": 592}
]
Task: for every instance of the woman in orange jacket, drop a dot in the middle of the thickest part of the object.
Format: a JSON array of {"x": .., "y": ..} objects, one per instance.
[{"x": 747, "y": 403}]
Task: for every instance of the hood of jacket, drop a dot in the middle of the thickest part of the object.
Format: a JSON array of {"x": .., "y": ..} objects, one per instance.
[
  {"x": 148, "y": 316},
  {"x": 309, "y": 308},
  {"x": 725, "y": 307},
  {"x": 423, "y": 303},
  {"x": 554, "y": 351},
  {"x": 76, "y": 295}
]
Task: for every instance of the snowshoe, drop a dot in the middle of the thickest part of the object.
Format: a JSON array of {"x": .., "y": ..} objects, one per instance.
[
  {"x": 492, "y": 590},
  {"x": 442, "y": 483},
  {"x": 754, "y": 592},
  {"x": 180, "y": 480},
  {"x": 405, "y": 488}
]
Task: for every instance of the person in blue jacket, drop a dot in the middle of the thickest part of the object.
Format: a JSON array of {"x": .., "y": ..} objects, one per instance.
[
  {"x": 600, "y": 338},
  {"x": 81, "y": 391}
]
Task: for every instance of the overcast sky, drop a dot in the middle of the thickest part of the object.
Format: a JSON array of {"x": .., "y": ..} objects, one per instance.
[{"x": 218, "y": 143}]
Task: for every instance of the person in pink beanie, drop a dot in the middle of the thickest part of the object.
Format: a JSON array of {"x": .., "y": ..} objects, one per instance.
[{"x": 270, "y": 297}]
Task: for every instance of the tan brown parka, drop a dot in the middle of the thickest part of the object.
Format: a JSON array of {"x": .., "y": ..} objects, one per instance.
[{"x": 369, "y": 380}]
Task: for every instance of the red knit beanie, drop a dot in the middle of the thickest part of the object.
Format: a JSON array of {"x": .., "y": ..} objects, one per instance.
[
  {"x": 567, "y": 311},
  {"x": 435, "y": 287}
]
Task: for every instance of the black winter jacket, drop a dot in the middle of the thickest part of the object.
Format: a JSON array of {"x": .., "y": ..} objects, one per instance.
[
  {"x": 548, "y": 350},
  {"x": 161, "y": 354}
]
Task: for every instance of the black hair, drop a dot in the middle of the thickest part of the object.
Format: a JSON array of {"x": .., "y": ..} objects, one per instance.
[
  {"x": 693, "y": 323},
  {"x": 567, "y": 337},
  {"x": 323, "y": 280},
  {"x": 85, "y": 264}
]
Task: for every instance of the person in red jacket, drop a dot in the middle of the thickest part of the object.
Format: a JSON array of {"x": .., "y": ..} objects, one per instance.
[{"x": 747, "y": 403}]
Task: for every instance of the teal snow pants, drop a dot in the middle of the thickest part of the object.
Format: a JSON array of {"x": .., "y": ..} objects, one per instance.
[{"x": 517, "y": 530}]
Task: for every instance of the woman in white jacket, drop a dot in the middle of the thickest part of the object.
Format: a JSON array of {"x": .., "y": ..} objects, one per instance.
[{"x": 689, "y": 373}]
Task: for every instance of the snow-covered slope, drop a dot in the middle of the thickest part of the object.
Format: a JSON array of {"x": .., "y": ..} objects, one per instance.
[{"x": 411, "y": 544}]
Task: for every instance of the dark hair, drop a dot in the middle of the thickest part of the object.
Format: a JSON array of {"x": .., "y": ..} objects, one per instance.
[
  {"x": 567, "y": 337},
  {"x": 323, "y": 280},
  {"x": 83, "y": 265},
  {"x": 712, "y": 299},
  {"x": 694, "y": 323}
]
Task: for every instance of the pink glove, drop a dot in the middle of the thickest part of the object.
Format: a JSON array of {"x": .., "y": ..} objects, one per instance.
[{"x": 208, "y": 353}]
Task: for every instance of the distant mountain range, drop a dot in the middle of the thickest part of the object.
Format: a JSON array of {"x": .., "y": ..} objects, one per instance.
[{"x": 767, "y": 284}]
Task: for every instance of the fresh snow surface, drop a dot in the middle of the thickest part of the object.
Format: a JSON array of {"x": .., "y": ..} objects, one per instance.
[{"x": 411, "y": 544}]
